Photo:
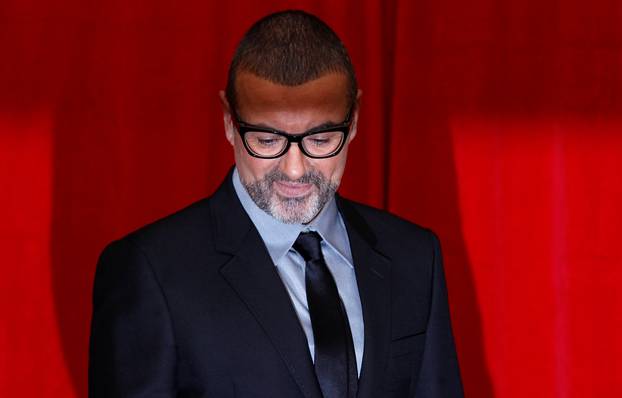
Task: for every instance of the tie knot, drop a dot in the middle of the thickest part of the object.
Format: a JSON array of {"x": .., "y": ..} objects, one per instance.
[{"x": 308, "y": 245}]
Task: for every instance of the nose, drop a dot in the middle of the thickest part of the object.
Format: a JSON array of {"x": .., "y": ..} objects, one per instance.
[{"x": 293, "y": 163}]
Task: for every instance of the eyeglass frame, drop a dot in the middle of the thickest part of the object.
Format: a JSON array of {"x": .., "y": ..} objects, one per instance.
[{"x": 244, "y": 128}]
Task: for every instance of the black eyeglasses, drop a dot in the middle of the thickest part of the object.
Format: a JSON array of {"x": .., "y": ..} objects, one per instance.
[{"x": 317, "y": 143}]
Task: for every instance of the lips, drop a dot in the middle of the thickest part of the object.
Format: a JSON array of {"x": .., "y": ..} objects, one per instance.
[{"x": 292, "y": 189}]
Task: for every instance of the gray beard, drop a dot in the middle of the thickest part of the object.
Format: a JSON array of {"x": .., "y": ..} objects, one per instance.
[{"x": 291, "y": 210}]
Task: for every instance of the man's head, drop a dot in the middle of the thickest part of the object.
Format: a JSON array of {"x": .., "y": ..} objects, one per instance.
[{"x": 291, "y": 74}]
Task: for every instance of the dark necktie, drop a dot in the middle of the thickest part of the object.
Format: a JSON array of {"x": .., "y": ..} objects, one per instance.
[{"x": 335, "y": 362}]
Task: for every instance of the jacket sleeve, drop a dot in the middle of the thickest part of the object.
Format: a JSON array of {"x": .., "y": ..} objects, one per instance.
[
  {"x": 439, "y": 375},
  {"x": 132, "y": 348}
]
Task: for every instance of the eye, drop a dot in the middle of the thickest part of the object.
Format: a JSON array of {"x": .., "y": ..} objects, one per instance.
[
  {"x": 264, "y": 140},
  {"x": 319, "y": 141},
  {"x": 267, "y": 141}
]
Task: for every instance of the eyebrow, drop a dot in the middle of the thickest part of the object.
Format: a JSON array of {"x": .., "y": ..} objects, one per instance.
[
  {"x": 319, "y": 126},
  {"x": 326, "y": 125}
]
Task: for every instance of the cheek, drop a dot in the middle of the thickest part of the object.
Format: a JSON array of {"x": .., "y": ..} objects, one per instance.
[
  {"x": 250, "y": 168},
  {"x": 334, "y": 168}
]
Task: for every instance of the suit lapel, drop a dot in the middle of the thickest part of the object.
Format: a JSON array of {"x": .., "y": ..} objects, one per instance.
[
  {"x": 373, "y": 278},
  {"x": 253, "y": 276}
]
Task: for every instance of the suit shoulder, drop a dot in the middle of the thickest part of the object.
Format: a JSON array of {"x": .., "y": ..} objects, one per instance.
[
  {"x": 181, "y": 228},
  {"x": 390, "y": 233}
]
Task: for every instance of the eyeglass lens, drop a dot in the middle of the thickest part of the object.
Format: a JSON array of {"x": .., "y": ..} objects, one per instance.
[{"x": 270, "y": 144}]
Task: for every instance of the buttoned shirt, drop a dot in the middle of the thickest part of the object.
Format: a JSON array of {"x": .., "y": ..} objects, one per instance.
[{"x": 279, "y": 238}]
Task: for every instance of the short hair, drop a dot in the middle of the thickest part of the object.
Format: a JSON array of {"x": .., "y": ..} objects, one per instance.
[{"x": 290, "y": 48}]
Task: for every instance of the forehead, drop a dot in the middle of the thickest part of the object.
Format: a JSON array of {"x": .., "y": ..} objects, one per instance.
[{"x": 256, "y": 96}]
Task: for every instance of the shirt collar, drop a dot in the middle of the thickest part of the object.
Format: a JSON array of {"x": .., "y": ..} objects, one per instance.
[{"x": 279, "y": 237}]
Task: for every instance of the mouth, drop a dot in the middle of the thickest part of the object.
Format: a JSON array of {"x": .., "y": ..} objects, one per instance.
[{"x": 292, "y": 189}]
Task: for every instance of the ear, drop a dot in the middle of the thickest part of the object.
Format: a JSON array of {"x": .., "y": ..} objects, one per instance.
[
  {"x": 355, "y": 115},
  {"x": 227, "y": 118}
]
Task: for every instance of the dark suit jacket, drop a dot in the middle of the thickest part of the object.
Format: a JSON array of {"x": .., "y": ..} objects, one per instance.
[{"x": 192, "y": 306}]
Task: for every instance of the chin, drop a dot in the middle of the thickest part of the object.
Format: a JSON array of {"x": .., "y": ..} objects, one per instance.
[{"x": 295, "y": 210}]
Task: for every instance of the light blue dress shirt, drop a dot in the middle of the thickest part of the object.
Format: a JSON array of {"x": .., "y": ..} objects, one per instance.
[{"x": 279, "y": 238}]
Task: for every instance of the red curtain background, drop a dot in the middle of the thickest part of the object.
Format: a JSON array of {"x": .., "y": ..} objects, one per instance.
[{"x": 497, "y": 123}]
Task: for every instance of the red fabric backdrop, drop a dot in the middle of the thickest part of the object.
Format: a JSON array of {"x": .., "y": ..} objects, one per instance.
[{"x": 496, "y": 123}]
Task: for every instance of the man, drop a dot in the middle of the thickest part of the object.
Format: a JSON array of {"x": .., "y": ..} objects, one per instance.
[{"x": 275, "y": 286}]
